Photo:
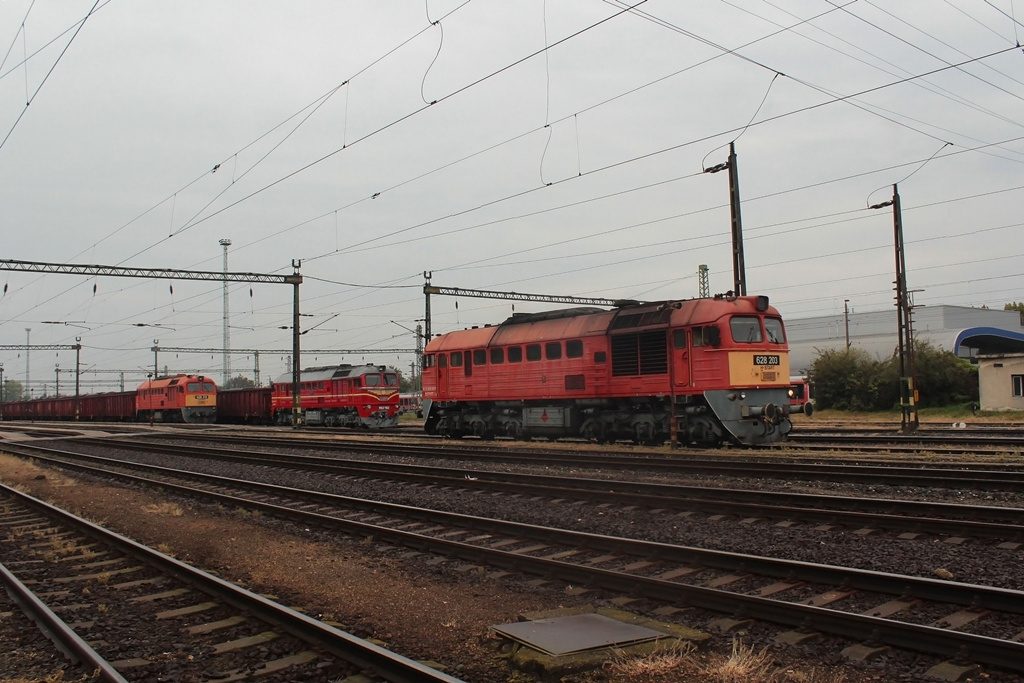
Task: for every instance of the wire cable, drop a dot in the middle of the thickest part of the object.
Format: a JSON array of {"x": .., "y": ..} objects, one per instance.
[{"x": 81, "y": 24}]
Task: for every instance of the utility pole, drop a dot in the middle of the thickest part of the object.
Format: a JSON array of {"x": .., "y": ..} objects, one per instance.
[
  {"x": 156, "y": 365},
  {"x": 419, "y": 348},
  {"x": 427, "y": 274},
  {"x": 908, "y": 394},
  {"x": 227, "y": 333},
  {"x": 846, "y": 318},
  {"x": 296, "y": 280},
  {"x": 739, "y": 268},
  {"x": 78, "y": 375},
  {"x": 28, "y": 367},
  {"x": 703, "y": 285}
]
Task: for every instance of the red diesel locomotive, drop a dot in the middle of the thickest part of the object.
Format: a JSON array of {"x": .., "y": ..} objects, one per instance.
[
  {"x": 712, "y": 370},
  {"x": 180, "y": 398},
  {"x": 340, "y": 396}
]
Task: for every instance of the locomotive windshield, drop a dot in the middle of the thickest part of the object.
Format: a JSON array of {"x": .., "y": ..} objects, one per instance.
[
  {"x": 390, "y": 379},
  {"x": 773, "y": 328},
  {"x": 746, "y": 329}
]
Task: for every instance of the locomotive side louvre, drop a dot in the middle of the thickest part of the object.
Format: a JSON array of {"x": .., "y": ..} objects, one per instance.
[
  {"x": 340, "y": 396},
  {"x": 718, "y": 366}
]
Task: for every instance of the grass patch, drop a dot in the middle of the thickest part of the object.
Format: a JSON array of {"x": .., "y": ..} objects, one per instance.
[
  {"x": 169, "y": 509},
  {"x": 682, "y": 659}
]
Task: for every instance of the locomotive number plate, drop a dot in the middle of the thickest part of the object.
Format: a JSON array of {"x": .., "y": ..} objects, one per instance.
[{"x": 766, "y": 360}]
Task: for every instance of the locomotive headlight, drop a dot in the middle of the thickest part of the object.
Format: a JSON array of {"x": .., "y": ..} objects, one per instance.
[
  {"x": 743, "y": 395},
  {"x": 792, "y": 393}
]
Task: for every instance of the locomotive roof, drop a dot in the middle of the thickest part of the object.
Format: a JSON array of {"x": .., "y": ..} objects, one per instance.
[
  {"x": 324, "y": 372},
  {"x": 586, "y": 321},
  {"x": 519, "y": 318},
  {"x": 172, "y": 380}
]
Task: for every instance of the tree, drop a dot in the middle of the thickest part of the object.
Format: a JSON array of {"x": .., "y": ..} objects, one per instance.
[
  {"x": 405, "y": 384},
  {"x": 943, "y": 378},
  {"x": 239, "y": 382},
  {"x": 1016, "y": 306},
  {"x": 849, "y": 379},
  {"x": 13, "y": 390}
]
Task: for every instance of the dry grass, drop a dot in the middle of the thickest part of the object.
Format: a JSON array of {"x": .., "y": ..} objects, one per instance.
[
  {"x": 681, "y": 661},
  {"x": 742, "y": 666},
  {"x": 675, "y": 657},
  {"x": 169, "y": 509}
]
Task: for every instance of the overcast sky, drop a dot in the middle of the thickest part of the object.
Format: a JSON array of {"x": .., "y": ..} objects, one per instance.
[{"x": 550, "y": 147}]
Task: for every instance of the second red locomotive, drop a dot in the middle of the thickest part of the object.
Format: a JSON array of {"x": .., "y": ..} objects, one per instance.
[
  {"x": 340, "y": 396},
  {"x": 707, "y": 371}
]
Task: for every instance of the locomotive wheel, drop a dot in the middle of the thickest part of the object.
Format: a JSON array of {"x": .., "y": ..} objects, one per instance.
[{"x": 512, "y": 428}]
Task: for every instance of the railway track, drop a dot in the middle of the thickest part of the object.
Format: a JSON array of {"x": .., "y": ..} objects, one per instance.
[
  {"x": 988, "y": 475},
  {"x": 979, "y": 440},
  {"x": 858, "y": 512},
  {"x": 130, "y": 613},
  {"x": 881, "y": 609}
]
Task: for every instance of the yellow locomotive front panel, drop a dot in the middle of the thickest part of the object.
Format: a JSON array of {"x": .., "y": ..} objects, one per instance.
[
  {"x": 759, "y": 369},
  {"x": 200, "y": 394}
]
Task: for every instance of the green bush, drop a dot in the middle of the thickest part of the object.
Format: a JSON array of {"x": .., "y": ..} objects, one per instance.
[{"x": 849, "y": 379}]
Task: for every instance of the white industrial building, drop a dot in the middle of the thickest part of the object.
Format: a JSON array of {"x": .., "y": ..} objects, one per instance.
[{"x": 968, "y": 332}]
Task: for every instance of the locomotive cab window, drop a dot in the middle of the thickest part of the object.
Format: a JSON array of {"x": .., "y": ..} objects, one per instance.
[
  {"x": 746, "y": 329},
  {"x": 480, "y": 357},
  {"x": 706, "y": 336},
  {"x": 193, "y": 386},
  {"x": 553, "y": 350},
  {"x": 456, "y": 359},
  {"x": 574, "y": 348},
  {"x": 533, "y": 352},
  {"x": 679, "y": 339},
  {"x": 442, "y": 360},
  {"x": 515, "y": 354},
  {"x": 497, "y": 356},
  {"x": 391, "y": 379},
  {"x": 371, "y": 380},
  {"x": 428, "y": 360},
  {"x": 773, "y": 329}
]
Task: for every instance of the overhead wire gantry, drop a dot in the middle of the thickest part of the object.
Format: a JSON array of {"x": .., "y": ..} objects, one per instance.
[{"x": 294, "y": 279}]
